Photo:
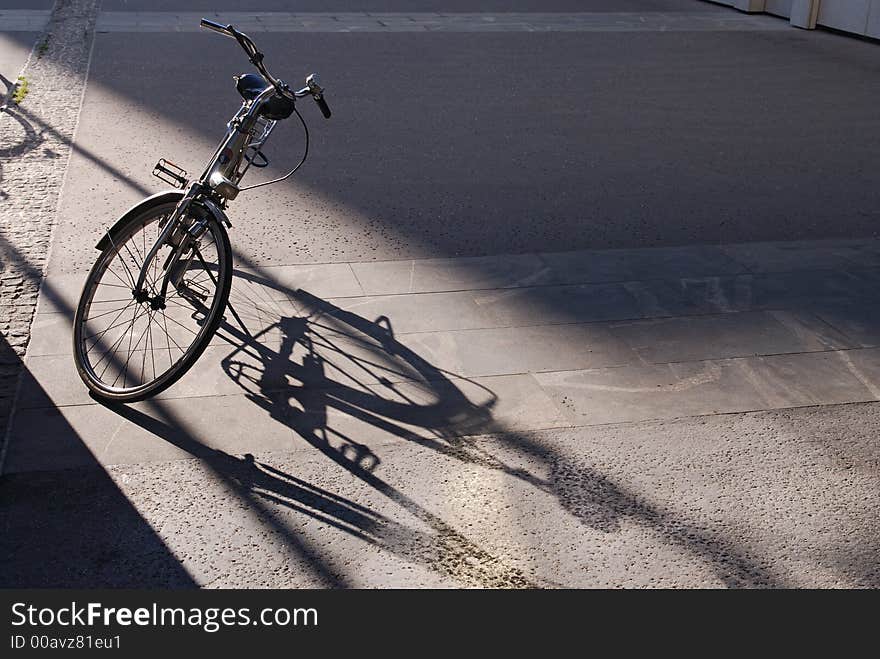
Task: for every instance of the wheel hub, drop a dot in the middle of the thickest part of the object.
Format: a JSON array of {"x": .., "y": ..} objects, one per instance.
[{"x": 156, "y": 302}]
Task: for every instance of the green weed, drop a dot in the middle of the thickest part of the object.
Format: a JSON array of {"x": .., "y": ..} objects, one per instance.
[{"x": 21, "y": 90}]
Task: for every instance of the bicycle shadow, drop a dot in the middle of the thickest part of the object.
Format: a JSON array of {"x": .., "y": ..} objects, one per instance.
[
  {"x": 8, "y": 87},
  {"x": 327, "y": 369},
  {"x": 333, "y": 362},
  {"x": 302, "y": 396},
  {"x": 28, "y": 135},
  {"x": 301, "y": 392}
]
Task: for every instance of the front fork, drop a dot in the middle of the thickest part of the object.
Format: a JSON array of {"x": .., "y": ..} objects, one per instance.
[{"x": 186, "y": 245}]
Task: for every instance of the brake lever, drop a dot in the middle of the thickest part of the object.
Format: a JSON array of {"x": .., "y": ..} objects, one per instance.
[
  {"x": 325, "y": 109},
  {"x": 318, "y": 94}
]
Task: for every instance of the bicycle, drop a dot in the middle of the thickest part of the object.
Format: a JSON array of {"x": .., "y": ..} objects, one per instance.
[{"x": 166, "y": 265}]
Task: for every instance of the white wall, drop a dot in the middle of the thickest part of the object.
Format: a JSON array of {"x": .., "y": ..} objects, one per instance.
[
  {"x": 778, "y": 7},
  {"x": 857, "y": 16},
  {"x": 851, "y": 15}
]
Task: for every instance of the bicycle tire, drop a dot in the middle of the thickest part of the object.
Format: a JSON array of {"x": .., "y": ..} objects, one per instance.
[{"x": 149, "y": 212}]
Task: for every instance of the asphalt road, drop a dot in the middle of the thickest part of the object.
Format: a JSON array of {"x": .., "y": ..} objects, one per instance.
[{"x": 481, "y": 143}]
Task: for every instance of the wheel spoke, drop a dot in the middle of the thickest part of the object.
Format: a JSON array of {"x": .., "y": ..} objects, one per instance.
[
  {"x": 125, "y": 299},
  {"x": 107, "y": 313},
  {"x": 134, "y": 262},
  {"x": 130, "y": 351},
  {"x": 152, "y": 353},
  {"x": 119, "y": 341},
  {"x": 168, "y": 338},
  {"x": 125, "y": 283},
  {"x": 104, "y": 283},
  {"x": 168, "y": 335},
  {"x": 182, "y": 325},
  {"x": 104, "y": 331}
]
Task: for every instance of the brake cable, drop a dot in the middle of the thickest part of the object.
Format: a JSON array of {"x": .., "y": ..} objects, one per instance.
[
  {"x": 292, "y": 171},
  {"x": 256, "y": 58}
]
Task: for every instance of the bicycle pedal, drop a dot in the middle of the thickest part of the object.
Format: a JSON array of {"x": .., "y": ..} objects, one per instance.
[{"x": 167, "y": 171}]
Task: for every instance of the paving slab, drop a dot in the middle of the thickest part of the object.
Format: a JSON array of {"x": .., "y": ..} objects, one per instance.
[
  {"x": 52, "y": 380},
  {"x": 865, "y": 366},
  {"x": 60, "y": 294},
  {"x": 295, "y": 340},
  {"x": 727, "y": 335},
  {"x": 586, "y": 266},
  {"x": 81, "y": 435},
  {"x": 451, "y": 274},
  {"x": 433, "y": 311},
  {"x": 632, "y": 393},
  {"x": 861, "y": 323},
  {"x": 327, "y": 360},
  {"x": 54, "y": 435},
  {"x": 505, "y": 350},
  {"x": 559, "y": 304},
  {"x": 497, "y": 308},
  {"x": 571, "y": 267},
  {"x": 327, "y": 280},
  {"x": 804, "y": 290},
  {"x": 423, "y": 412},
  {"x": 657, "y": 298},
  {"x": 669, "y": 291},
  {"x": 805, "y": 255},
  {"x": 52, "y": 333}
]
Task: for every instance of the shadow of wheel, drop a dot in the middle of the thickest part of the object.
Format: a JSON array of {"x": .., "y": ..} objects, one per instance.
[{"x": 17, "y": 141}]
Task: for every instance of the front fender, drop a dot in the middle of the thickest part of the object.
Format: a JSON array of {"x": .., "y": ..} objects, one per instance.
[
  {"x": 154, "y": 200},
  {"x": 168, "y": 196}
]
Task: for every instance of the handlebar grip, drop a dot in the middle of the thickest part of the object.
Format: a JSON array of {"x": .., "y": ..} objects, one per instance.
[
  {"x": 325, "y": 109},
  {"x": 217, "y": 27}
]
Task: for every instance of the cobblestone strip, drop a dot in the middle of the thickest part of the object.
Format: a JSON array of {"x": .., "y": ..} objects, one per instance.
[
  {"x": 157, "y": 21},
  {"x": 35, "y": 143}
]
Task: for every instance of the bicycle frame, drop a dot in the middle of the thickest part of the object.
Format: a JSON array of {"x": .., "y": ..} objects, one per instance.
[{"x": 217, "y": 185}]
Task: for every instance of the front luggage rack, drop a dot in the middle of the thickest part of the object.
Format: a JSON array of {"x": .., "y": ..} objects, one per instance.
[{"x": 167, "y": 171}]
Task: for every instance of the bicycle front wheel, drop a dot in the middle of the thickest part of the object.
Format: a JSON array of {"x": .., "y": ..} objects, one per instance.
[{"x": 130, "y": 346}]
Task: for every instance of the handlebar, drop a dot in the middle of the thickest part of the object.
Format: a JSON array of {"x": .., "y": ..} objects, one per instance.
[
  {"x": 256, "y": 58},
  {"x": 217, "y": 27}
]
